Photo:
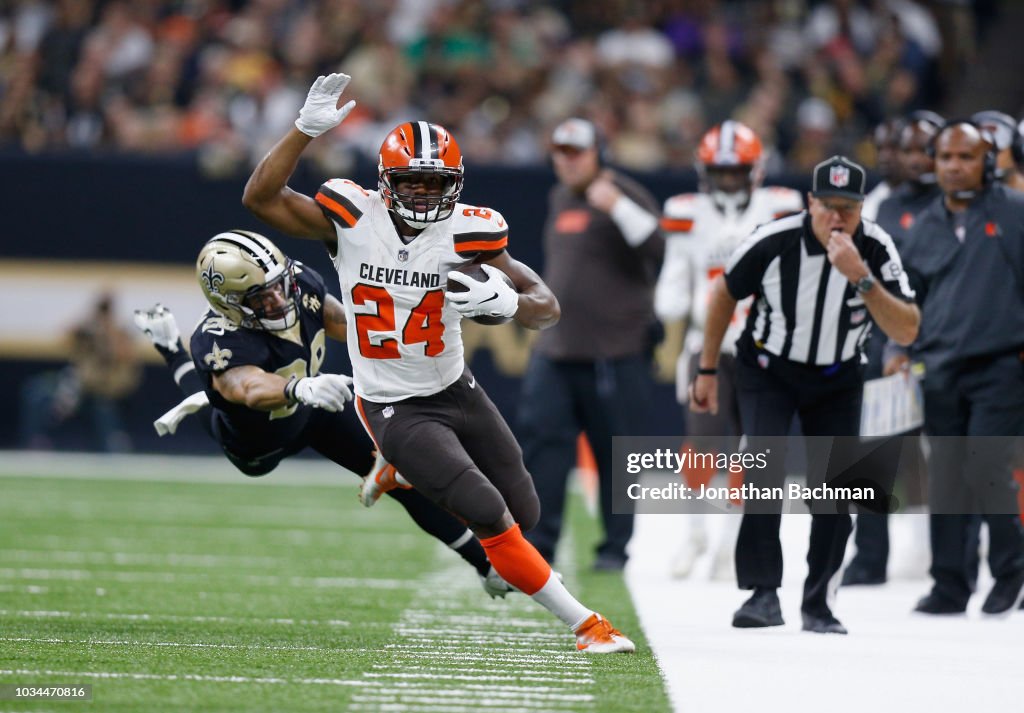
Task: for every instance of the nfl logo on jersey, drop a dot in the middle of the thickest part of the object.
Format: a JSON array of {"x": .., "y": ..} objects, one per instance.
[{"x": 403, "y": 255}]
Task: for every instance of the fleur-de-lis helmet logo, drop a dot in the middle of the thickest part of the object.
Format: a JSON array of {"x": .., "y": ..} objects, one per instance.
[{"x": 212, "y": 279}]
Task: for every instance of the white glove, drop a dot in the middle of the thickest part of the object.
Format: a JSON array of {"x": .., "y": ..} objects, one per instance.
[
  {"x": 326, "y": 391},
  {"x": 493, "y": 298},
  {"x": 320, "y": 113}
]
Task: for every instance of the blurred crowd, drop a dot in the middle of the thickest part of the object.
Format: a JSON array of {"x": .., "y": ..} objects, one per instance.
[{"x": 226, "y": 77}]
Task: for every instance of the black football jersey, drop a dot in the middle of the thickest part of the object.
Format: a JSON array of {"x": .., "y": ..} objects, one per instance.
[{"x": 218, "y": 345}]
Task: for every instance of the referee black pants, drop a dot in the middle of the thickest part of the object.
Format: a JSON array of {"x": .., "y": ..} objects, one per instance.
[{"x": 828, "y": 400}]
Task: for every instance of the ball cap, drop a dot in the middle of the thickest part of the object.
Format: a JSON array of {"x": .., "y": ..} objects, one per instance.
[
  {"x": 577, "y": 133},
  {"x": 839, "y": 176}
]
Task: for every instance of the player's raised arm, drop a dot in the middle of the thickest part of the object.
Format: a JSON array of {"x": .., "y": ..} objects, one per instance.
[{"x": 267, "y": 194}]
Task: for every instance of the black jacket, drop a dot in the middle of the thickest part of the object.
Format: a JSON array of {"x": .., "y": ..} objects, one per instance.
[
  {"x": 971, "y": 292},
  {"x": 899, "y": 212}
]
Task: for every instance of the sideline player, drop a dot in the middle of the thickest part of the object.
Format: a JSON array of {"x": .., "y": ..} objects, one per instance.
[
  {"x": 395, "y": 250},
  {"x": 254, "y": 375},
  {"x": 702, "y": 230}
]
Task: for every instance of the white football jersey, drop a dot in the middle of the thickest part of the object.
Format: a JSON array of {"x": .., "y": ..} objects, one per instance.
[
  {"x": 404, "y": 340},
  {"x": 700, "y": 237}
]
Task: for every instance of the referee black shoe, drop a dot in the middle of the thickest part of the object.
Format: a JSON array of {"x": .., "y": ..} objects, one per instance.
[
  {"x": 861, "y": 574},
  {"x": 761, "y": 610},
  {"x": 935, "y": 603},
  {"x": 1006, "y": 595},
  {"x": 822, "y": 623}
]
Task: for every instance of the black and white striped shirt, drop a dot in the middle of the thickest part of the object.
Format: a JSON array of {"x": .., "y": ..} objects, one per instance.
[{"x": 804, "y": 309}]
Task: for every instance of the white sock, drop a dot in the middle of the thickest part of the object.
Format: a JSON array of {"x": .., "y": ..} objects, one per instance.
[{"x": 554, "y": 597}]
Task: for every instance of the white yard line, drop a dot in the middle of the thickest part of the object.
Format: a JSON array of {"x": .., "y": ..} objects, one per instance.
[
  {"x": 24, "y": 588},
  {"x": 52, "y": 614},
  {"x": 166, "y": 644},
  {"x": 170, "y": 469},
  {"x": 268, "y": 580},
  {"x": 143, "y": 558},
  {"x": 188, "y": 533},
  {"x": 181, "y": 677}
]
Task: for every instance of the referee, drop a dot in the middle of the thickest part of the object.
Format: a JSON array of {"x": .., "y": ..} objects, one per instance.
[{"x": 815, "y": 276}]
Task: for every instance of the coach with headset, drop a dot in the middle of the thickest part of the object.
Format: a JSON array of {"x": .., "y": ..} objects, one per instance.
[{"x": 966, "y": 257}]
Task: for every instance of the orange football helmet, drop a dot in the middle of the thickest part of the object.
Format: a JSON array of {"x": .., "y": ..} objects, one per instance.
[
  {"x": 727, "y": 147},
  {"x": 424, "y": 153}
]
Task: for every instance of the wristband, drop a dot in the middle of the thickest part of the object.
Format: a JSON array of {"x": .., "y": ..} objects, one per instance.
[
  {"x": 289, "y": 390},
  {"x": 707, "y": 372}
]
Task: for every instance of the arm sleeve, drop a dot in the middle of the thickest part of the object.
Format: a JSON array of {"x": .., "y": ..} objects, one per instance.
[
  {"x": 672, "y": 295},
  {"x": 651, "y": 245}
]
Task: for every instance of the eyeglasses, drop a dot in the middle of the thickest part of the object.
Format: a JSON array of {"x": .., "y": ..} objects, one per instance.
[{"x": 843, "y": 209}]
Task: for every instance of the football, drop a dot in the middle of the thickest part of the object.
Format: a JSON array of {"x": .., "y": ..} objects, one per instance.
[{"x": 477, "y": 273}]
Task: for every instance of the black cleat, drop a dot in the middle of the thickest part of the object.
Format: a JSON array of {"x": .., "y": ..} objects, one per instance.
[
  {"x": 935, "y": 603},
  {"x": 761, "y": 610},
  {"x": 822, "y": 623},
  {"x": 1006, "y": 595}
]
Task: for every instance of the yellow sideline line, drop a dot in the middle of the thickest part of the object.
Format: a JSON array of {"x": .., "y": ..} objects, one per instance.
[{"x": 111, "y": 271}]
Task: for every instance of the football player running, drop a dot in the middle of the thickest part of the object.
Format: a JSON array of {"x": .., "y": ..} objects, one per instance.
[
  {"x": 254, "y": 376},
  {"x": 395, "y": 248},
  {"x": 701, "y": 230}
]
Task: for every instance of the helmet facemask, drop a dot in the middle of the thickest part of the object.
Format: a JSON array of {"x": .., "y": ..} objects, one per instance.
[
  {"x": 273, "y": 306},
  {"x": 419, "y": 210},
  {"x": 730, "y": 185}
]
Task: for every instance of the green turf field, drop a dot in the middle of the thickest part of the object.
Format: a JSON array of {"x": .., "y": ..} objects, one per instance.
[{"x": 234, "y": 595}]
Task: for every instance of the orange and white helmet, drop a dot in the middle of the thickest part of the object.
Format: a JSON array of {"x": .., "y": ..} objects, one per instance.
[
  {"x": 729, "y": 146},
  {"x": 420, "y": 151}
]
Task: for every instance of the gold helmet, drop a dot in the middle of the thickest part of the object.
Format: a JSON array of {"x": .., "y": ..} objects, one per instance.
[{"x": 248, "y": 280}]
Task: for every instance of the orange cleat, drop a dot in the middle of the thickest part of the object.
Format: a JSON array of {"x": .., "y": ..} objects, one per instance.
[
  {"x": 597, "y": 636},
  {"x": 381, "y": 478}
]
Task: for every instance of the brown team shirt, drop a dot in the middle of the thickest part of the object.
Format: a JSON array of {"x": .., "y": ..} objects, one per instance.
[{"x": 605, "y": 287}]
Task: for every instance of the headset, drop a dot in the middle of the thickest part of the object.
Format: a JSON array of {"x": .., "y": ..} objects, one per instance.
[
  {"x": 1017, "y": 146},
  {"x": 928, "y": 123},
  {"x": 988, "y": 173},
  {"x": 924, "y": 116},
  {"x": 603, "y": 152}
]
